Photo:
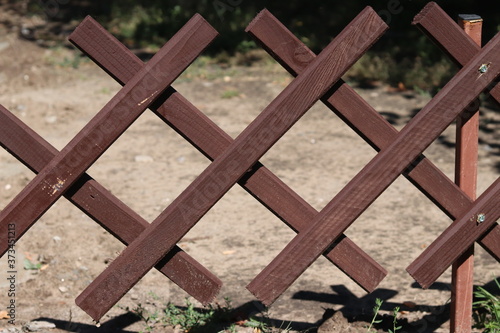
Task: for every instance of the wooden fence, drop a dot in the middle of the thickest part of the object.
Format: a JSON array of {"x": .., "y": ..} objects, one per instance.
[{"x": 318, "y": 77}]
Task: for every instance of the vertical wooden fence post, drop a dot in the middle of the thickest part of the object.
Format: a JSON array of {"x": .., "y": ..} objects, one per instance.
[{"x": 466, "y": 178}]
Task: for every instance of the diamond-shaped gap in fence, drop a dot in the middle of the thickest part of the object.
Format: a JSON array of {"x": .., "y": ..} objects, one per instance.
[
  {"x": 221, "y": 174},
  {"x": 148, "y": 158},
  {"x": 237, "y": 249},
  {"x": 231, "y": 108},
  {"x": 312, "y": 158}
]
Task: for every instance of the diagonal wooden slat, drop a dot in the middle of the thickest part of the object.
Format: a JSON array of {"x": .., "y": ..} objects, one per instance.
[
  {"x": 104, "y": 208},
  {"x": 116, "y": 116},
  {"x": 377, "y": 175},
  {"x": 211, "y": 140},
  {"x": 369, "y": 124},
  {"x": 221, "y": 175},
  {"x": 458, "y": 237},
  {"x": 440, "y": 28},
  {"x": 434, "y": 21}
]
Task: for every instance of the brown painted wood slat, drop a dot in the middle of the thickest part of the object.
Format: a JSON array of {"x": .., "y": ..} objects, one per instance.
[
  {"x": 457, "y": 238},
  {"x": 67, "y": 166},
  {"x": 467, "y": 134},
  {"x": 377, "y": 175},
  {"x": 244, "y": 152},
  {"x": 434, "y": 21},
  {"x": 461, "y": 48},
  {"x": 367, "y": 122},
  {"x": 211, "y": 140},
  {"x": 104, "y": 208}
]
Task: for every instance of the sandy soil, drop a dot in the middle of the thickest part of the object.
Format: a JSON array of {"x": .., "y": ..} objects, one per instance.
[{"x": 150, "y": 165}]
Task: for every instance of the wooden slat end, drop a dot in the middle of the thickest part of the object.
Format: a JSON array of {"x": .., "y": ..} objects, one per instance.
[
  {"x": 431, "y": 6},
  {"x": 264, "y": 13}
]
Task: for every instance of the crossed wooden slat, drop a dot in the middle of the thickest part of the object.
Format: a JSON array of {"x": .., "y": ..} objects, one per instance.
[
  {"x": 107, "y": 210},
  {"x": 377, "y": 175},
  {"x": 57, "y": 174},
  {"x": 370, "y": 125},
  {"x": 117, "y": 218},
  {"x": 211, "y": 140},
  {"x": 341, "y": 99},
  {"x": 453, "y": 241},
  {"x": 227, "y": 168}
]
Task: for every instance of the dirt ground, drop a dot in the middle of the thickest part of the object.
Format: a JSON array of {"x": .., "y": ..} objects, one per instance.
[{"x": 56, "y": 93}]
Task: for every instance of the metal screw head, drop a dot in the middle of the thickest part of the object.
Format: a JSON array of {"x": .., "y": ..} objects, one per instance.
[
  {"x": 483, "y": 69},
  {"x": 480, "y": 218}
]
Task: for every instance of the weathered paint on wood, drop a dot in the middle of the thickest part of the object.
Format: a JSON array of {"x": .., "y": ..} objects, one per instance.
[
  {"x": 104, "y": 208},
  {"x": 467, "y": 135},
  {"x": 211, "y": 140},
  {"x": 221, "y": 175},
  {"x": 458, "y": 237},
  {"x": 377, "y": 175},
  {"x": 367, "y": 122}
]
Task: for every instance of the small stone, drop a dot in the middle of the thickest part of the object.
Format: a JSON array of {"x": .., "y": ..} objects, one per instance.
[
  {"x": 4, "y": 45},
  {"x": 8, "y": 187},
  {"x": 56, "y": 239},
  {"x": 63, "y": 289},
  {"x": 51, "y": 119},
  {"x": 143, "y": 159},
  {"x": 37, "y": 326}
]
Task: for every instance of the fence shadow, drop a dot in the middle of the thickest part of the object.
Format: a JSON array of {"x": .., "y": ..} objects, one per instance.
[
  {"x": 115, "y": 325},
  {"x": 360, "y": 309},
  {"x": 354, "y": 309}
]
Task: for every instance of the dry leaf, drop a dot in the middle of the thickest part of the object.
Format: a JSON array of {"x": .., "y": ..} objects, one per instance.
[
  {"x": 4, "y": 315},
  {"x": 409, "y": 304}
]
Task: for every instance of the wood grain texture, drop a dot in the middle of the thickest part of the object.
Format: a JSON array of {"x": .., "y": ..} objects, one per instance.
[
  {"x": 221, "y": 175},
  {"x": 211, "y": 140},
  {"x": 457, "y": 238},
  {"x": 104, "y": 208},
  {"x": 116, "y": 116},
  {"x": 376, "y": 176},
  {"x": 466, "y": 153},
  {"x": 367, "y": 122}
]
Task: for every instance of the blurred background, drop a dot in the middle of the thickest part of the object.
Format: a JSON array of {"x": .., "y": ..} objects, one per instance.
[{"x": 403, "y": 58}]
